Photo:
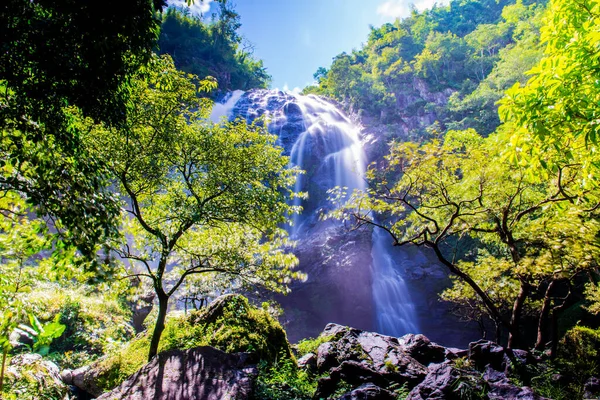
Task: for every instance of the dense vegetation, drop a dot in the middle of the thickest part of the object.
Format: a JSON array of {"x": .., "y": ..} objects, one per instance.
[
  {"x": 212, "y": 48},
  {"x": 449, "y": 64},
  {"x": 117, "y": 191}
]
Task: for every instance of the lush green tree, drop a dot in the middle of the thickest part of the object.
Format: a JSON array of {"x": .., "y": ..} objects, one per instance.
[
  {"x": 55, "y": 55},
  {"x": 212, "y": 48},
  {"x": 198, "y": 197},
  {"x": 557, "y": 110},
  {"x": 535, "y": 231}
]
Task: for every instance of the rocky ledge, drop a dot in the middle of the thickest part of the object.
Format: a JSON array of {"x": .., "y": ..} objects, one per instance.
[
  {"x": 384, "y": 367},
  {"x": 352, "y": 365}
]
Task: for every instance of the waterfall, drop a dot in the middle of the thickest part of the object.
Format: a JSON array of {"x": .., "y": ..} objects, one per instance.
[
  {"x": 322, "y": 141},
  {"x": 224, "y": 108},
  {"x": 395, "y": 311},
  {"x": 343, "y": 156}
]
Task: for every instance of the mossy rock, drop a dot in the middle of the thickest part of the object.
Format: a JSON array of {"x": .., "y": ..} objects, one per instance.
[
  {"x": 580, "y": 351},
  {"x": 229, "y": 324}
]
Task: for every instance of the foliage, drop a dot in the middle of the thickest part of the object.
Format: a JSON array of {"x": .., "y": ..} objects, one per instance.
[
  {"x": 464, "y": 54},
  {"x": 556, "y": 111},
  {"x": 212, "y": 48},
  {"x": 199, "y": 197},
  {"x": 34, "y": 380},
  {"x": 238, "y": 327},
  {"x": 96, "y": 322},
  {"x": 53, "y": 56},
  {"x": 534, "y": 229},
  {"x": 283, "y": 380},
  {"x": 306, "y": 346},
  {"x": 580, "y": 352},
  {"x": 42, "y": 335}
]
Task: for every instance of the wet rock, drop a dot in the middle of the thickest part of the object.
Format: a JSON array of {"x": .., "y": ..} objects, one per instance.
[
  {"x": 592, "y": 388},
  {"x": 308, "y": 362},
  {"x": 452, "y": 353},
  {"x": 422, "y": 349},
  {"x": 200, "y": 373},
  {"x": 369, "y": 391},
  {"x": 440, "y": 383},
  {"x": 358, "y": 357},
  {"x": 505, "y": 390},
  {"x": 483, "y": 352}
]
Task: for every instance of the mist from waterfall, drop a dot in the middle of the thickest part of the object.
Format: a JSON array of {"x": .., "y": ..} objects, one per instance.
[{"x": 326, "y": 144}]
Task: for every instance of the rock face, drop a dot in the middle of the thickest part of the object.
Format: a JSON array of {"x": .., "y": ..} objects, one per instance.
[
  {"x": 201, "y": 373},
  {"x": 339, "y": 264}
]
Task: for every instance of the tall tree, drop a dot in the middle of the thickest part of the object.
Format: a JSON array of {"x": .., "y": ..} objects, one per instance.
[
  {"x": 202, "y": 198},
  {"x": 60, "y": 54}
]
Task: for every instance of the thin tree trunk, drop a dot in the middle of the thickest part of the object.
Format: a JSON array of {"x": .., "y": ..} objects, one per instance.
[
  {"x": 488, "y": 303},
  {"x": 513, "y": 333},
  {"x": 4, "y": 355},
  {"x": 542, "y": 331},
  {"x": 159, "y": 327}
]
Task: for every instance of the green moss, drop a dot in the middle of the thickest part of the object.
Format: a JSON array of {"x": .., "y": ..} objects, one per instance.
[
  {"x": 306, "y": 346},
  {"x": 230, "y": 324},
  {"x": 579, "y": 352}
]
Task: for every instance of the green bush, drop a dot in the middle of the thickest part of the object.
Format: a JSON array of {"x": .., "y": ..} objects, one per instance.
[
  {"x": 580, "y": 351},
  {"x": 306, "y": 346},
  {"x": 283, "y": 380},
  {"x": 95, "y": 324}
]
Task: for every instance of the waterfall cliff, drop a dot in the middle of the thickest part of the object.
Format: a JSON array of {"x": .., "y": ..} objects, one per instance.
[{"x": 355, "y": 278}]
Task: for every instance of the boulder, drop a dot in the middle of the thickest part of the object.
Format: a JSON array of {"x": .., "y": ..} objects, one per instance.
[
  {"x": 27, "y": 373},
  {"x": 357, "y": 357},
  {"x": 201, "y": 373},
  {"x": 592, "y": 388},
  {"x": 484, "y": 352},
  {"x": 308, "y": 362},
  {"x": 446, "y": 382},
  {"x": 369, "y": 391},
  {"x": 422, "y": 349},
  {"x": 505, "y": 390}
]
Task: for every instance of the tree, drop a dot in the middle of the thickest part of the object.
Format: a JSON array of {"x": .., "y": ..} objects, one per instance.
[
  {"x": 212, "y": 48},
  {"x": 60, "y": 54},
  {"x": 557, "y": 110},
  {"x": 201, "y": 198},
  {"x": 438, "y": 193}
]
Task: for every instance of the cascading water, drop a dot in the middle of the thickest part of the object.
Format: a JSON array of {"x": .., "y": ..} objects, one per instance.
[
  {"x": 343, "y": 160},
  {"x": 395, "y": 312},
  {"x": 320, "y": 140}
]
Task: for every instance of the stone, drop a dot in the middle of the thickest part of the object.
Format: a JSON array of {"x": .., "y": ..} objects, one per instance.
[
  {"x": 422, "y": 349},
  {"x": 200, "y": 373},
  {"x": 483, "y": 352},
  {"x": 505, "y": 390},
  {"x": 308, "y": 362},
  {"x": 369, "y": 391},
  {"x": 438, "y": 384},
  {"x": 591, "y": 388},
  {"x": 31, "y": 369},
  {"x": 358, "y": 357}
]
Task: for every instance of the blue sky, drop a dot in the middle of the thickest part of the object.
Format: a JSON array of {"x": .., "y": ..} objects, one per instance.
[{"x": 295, "y": 37}]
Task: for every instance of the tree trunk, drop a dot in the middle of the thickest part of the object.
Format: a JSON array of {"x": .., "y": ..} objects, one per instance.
[
  {"x": 513, "y": 333},
  {"x": 542, "y": 331},
  {"x": 488, "y": 303},
  {"x": 159, "y": 327},
  {"x": 4, "y": 355}
]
